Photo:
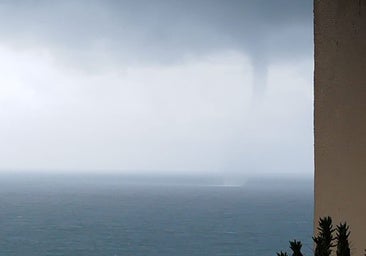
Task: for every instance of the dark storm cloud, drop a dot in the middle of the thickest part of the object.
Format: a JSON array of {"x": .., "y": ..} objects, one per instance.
[{"x": 162, "y": 31}]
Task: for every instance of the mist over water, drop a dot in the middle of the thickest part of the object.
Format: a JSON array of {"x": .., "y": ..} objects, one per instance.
[{"x": 121, "y": 215}]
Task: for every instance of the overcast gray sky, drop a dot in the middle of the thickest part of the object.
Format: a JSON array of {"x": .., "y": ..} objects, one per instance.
[{"x": 204, "y": 86}]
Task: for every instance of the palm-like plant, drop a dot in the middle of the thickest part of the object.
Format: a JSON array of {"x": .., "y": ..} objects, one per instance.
[
  {"x": 281, "y": 253},
  {"x": 324, "y": 240},
  {"x": 342, "y": 240},
  {"x": 296, "y": 248}
]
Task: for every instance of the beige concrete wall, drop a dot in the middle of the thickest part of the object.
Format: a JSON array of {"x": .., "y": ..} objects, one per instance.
[{"x": 340, "y": 115}]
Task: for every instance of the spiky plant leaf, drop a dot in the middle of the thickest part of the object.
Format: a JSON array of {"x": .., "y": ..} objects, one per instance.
[
  {"x": 342, "y": 236},
  {"x": 324, "y": 239},
  {"x": 281, "y": 253},
  {"x": 296, "y": 248}
]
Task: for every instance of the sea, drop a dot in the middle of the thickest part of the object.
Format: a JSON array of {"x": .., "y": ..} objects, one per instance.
[{"x": 115, "y": 215}]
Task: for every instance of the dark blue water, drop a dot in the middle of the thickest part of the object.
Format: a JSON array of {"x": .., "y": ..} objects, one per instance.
[{"x": 100, "y": 217}]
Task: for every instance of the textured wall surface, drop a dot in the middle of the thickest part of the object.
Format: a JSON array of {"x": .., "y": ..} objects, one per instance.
[{"x": 340, "y": 115}]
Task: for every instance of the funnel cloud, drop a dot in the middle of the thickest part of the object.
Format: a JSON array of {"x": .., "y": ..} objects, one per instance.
[{"x": 156, "y": 86}]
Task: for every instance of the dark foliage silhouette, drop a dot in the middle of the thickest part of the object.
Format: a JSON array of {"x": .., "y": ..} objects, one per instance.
[
  {"x": 281, "y": 253},
  {"x": 295, "y": 246},
  {"x": 324, "y": 240},
  {"x": 342, "y": 236}
]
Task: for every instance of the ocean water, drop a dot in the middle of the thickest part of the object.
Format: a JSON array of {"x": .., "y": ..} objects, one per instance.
[{"x": 108, "y": 216}]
